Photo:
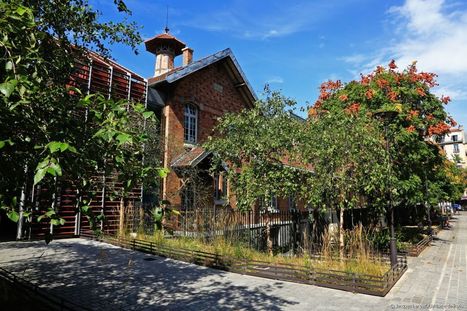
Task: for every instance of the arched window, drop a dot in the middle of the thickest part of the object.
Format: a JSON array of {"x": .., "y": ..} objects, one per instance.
[{"x": 191, "y": 123}]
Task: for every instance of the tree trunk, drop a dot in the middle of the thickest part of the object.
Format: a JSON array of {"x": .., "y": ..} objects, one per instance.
[
  {"x": 121, "y": 224},
  {"x": 79, "y": 199},
  {"x": 22, "y": 200},
  {"x": 54, "y": 203},
  {"x": 268, "y": 234},
  {"x": 141, "y": 219},
  {"x": 341, "y": 233}
]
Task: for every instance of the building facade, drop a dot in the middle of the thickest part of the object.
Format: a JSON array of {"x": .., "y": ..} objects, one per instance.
[
  {"x": 454, "y": 144},
  {"x": 189, "y": 100}
]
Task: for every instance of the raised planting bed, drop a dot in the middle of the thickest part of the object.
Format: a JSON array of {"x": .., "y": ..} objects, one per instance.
[
  {"x": 378, "y": 285},
  {"x": 415, "y": 240},
  {"x": 417, "y": 249}
]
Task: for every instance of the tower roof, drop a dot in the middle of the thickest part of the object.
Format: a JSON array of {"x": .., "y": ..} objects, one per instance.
[{"x": 164, "y": 39}]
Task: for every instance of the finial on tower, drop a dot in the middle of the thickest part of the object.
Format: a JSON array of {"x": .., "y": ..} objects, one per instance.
[{"x": 167, "y": 21}]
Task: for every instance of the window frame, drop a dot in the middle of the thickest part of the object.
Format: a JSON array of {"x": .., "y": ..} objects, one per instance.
[
  {"x": 292, "y": 203},
  {"x": 190, "y": 123},
  {"x": 271, "y": 207},
  {"x": 220, "y": 188}
]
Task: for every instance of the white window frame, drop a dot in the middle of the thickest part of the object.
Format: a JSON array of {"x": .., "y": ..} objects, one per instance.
[
  {"x": 456, "y": 148},
  {"x": 455, "y": 138},
  {"x": 190, "y": 118}
]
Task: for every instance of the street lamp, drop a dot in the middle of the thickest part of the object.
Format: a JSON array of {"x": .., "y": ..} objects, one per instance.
[
  {"x": 387, "y": 117},
  {"x": 427, "y": 206}
]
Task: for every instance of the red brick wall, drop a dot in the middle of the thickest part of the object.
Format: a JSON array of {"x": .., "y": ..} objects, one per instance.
[{"x": 213, "y": 92}]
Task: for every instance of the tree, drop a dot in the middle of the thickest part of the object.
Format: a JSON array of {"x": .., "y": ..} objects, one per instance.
[
  {"x": 258, "y": 146},
  {"x": 334, "y": 160},
  {"x": 350, "y": 165},
  {"x": 49, "y": 133},
  {"x": 421, "y": 115}
]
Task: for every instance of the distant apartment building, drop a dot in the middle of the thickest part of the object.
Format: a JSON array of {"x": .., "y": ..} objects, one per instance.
[{"x": 454, "y": 145}]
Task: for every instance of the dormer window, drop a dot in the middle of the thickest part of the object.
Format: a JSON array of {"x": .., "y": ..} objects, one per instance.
[{"x": 191, "y": 124}]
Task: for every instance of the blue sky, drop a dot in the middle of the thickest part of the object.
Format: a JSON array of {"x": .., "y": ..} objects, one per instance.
[{"x": 296, "y": 45}]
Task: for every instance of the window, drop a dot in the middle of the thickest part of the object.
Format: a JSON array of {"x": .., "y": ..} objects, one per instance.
[
  {"x": 216, "y": 187},
  {"x": 456, "y": 148},
  {"x": 188, "y": 197},
  {"x": 454, "y": 137},
  {"x": 292, "y": 203},
  {"x": 220, "y": 187},
  {"x": 191, "y": 123},
  {"x": 269, "y": 205},
  {"x": 224, "y": 186}
]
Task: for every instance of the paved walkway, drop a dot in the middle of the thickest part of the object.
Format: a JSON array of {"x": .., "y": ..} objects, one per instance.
[{"x": 104, "y": 277}]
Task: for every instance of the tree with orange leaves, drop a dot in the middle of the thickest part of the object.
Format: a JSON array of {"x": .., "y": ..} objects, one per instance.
[{"x": 421, "y": 115}]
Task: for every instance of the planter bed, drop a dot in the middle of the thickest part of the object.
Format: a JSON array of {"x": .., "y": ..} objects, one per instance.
[
  {"x": 353, "y": 282},
  {"x": 417, "y": 249}
]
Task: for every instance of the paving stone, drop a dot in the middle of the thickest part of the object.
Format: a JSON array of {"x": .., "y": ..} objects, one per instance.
[{"x": 104, "y": 277}]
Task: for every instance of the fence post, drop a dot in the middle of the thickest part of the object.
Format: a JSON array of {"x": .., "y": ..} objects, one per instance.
[{"x": 354, "y": 282}]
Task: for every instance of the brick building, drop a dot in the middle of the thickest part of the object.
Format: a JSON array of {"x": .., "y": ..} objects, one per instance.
[{"x": 189, "y": 99}]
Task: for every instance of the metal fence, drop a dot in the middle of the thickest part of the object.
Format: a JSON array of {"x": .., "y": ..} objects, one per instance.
[{"x": 287, "y": 231}]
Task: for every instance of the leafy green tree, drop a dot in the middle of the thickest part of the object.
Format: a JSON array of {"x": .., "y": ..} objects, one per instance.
[
  {"x": 51, "y": 134},
  {"x": 258, "y": 146},
  {"x": 334, "y": 160},
  {"x": 347, "y": 152}
]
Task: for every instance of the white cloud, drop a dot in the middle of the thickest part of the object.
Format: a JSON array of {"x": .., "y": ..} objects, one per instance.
[
  {"x": 432, "y": 32},
  {"x": 275, "y": 79},
  {"x": 244, "y": 19},
  {"x": 355, "y": 59}
]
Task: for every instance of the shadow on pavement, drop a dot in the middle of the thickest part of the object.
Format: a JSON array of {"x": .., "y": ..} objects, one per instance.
[{"x": 100, "y": 276}]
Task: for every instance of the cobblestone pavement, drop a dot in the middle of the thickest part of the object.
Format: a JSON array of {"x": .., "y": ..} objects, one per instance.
[{"x": 103, "y": 277}]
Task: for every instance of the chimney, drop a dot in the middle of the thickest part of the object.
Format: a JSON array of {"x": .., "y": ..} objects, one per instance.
[{"x": 187, "y": 56}]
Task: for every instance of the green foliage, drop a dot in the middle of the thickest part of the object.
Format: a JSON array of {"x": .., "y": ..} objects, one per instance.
[
  {"x": 258, "y": 144},
  {"x": 336, "y": 160},
  {"x": 347, "y": 153},
  {"x": 51, "y": 134},
  {"x": 416, "y": 161}
]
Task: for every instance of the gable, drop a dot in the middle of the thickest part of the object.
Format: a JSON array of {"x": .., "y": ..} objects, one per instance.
[
  {"x": 213, "y": 89},
  {"x": 233, "y": 69}
]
